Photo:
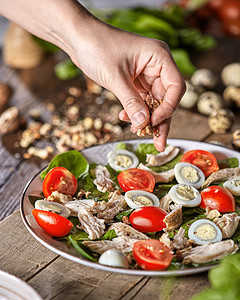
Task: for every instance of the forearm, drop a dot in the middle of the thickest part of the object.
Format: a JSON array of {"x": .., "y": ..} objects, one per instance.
[{"x": 57, "y": 21}]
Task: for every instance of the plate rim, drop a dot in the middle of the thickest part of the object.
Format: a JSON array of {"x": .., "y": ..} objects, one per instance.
[{"x": 82, "y": 261}]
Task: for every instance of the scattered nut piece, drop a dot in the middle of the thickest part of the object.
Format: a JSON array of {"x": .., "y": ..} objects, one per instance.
[
  {"x": 98, "y": 124},
  {"x": 41, "y": 153},
  {"x": 10, "y": 120},
  {"x": 45, "y": 129},
  {"x": 35, "y": 113},
  {"x": 74, "y": 91},
  {"x": 92, "y": 86},
  {"x": 88, "y": 123},
  {"x": 221, "y": 120}
]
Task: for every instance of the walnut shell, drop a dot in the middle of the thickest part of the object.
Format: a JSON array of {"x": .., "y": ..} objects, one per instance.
[
  {"x": 5, "y": 94},
  {"x": 10, "y": 120},
  {"x": 221, "y": 120}
]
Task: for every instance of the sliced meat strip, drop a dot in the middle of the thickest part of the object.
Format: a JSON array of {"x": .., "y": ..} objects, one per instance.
[
  {"x": 123, "y": 229},
  {"x": 228, "y": 224},
  {"x": 165, "y": 202},
  {"x": 162, "y": 177},
  {"x": 122, "y": 243},
  {"x": 223, "y": 174},
  {"x": 166, "y": 240},
  {"x": 174, "y": 219},
  {"x": 163, "y": 157},
  {"x": 90, "y": 224},
  {"x": 207, "y": 252},
  {"x": 90, "y": 205},
  {"x": 179, "y": 240},
  {"x": 115, "y": 205},
  {"x": 103, "y": 181}
]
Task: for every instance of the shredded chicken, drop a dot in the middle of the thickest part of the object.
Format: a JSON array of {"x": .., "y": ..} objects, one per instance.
[
  {"x": 212, "y": 213},
  {"x": 59, "y": 198},
  {"x": 174, "y": 219},
  {"x": 92, "y": 225},
  {"x": 123, "y": 229},
  {"x": 115, "y": 205},
  {"x": 207, "y": 252},
  {"x": 223, "y": 174},
  {"x": 228, "y": 224},
  {"x": 152, "y": 104},
  {"x": 90, "y": 205},
  {"x": 103, "y": 181},
  {"x": 165, "y": 202},
  {"x": 122, "y": 243},
  {"x": 162, "y": 177},
  {"x": 166, "y": 240},
  {"x": 163, "y": 157},
  {"x": 179, "y": 240}
]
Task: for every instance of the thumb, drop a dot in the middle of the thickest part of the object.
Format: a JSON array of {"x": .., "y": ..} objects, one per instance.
[{"x": 133, "y": 104}]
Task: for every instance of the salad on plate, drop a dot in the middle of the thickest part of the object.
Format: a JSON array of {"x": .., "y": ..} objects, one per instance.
[{"x": 144, "y": 209}]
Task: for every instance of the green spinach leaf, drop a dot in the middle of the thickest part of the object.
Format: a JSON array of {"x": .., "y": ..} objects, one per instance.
[
  {"x": 231, "y": 162},
  {"x": 143, "y": 150}
]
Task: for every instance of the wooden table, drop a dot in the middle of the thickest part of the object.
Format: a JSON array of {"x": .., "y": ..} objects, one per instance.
[{"x": 51, "y": 275}]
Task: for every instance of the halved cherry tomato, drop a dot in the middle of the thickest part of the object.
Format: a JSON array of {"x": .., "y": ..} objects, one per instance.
[
  {"x": 202, "y": 159},
  {"x": 152, "y": 254},
  {"x": 217, "y": 197},
  {"x": 61, "y": 180},
  {"x": 148, "y": 219},
  {"x": 136, "y": 179},
  {"x": 52, "y": 223}
]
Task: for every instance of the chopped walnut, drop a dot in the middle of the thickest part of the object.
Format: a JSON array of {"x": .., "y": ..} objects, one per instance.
[{"x": 60, "y": 198}]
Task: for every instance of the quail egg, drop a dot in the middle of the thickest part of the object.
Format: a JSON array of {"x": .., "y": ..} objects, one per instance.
[
  {"x": 231, "y": 74},
  {"x": 137, "y": 198},
  {"x": 205, "y": 78},
  {"x": 54, "y": 207},
  {"x": 189, "y": 174},
  {"x": 113, "y": 258},
  {"x": 221, "y": 120},
  {"x": 120, "y": 159},
  {"x": 209, "y": 101},
  {"x": 233, "y": 185},
  {"x": 204, "y": 231},
  {"x": 186, "y": 195}
]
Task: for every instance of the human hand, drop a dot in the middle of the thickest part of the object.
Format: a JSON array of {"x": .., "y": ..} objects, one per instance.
[{"x": 133, "y": 66}]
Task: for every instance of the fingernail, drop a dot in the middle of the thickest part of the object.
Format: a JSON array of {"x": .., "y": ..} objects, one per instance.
[{"x": 138, "y": 118}]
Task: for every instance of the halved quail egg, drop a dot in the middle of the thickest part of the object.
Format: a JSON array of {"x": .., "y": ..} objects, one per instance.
[
  {"x": 137, "y": 198},
  {"x": 186, "y": 195},
  {"x": 204, "y": 231},
  {"x": 233, "y": 185},
  {"x": 189, "y": 174},
  {"x": 54, "y": 207},
  {"x": 113, "y": 258},
  {"x": 120, "y": 159}
]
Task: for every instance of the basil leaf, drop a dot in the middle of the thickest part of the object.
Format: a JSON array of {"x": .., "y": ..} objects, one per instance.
[
  {"x": 231, "y": 162},
  {"x": 72, "y": 160},
  {"x": 143, "y": 150}
]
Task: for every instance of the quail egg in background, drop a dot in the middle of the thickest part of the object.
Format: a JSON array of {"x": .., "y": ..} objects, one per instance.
[
  {"x": 113, "y": 258},
  {"x": 137, "y": 198},
  {"x": 186, "y": 173},
  {"x": 233, "y": 185},
  {"x": 54, "y": 207},
  {"x": 186, "y": 195},
  {"x": 120, "y": 159},
  {"x": 204, "y": 231}
]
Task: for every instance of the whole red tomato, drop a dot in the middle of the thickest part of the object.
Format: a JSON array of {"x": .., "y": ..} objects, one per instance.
[
  {"x": 152, "y": 254},
  {"x": 61, "y": 180},
  {"x": 148, "y": 219},
  {"x": 52, "y": 223},
  {"x": 136, "y": 179},
  {"x": 217, "y": 197}
]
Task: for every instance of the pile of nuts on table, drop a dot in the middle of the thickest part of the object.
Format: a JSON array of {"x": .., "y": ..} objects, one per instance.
[
  {"x": 201, "y": 94},
  {"x": 68, "y": 127}
]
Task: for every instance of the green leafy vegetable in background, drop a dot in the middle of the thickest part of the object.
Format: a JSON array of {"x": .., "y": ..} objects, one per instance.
[
  {"x": 231, "y": 162},
  {"x": 72, "y": 160},
  {"x": 225, "y": 279},
  {"x": 66, "y": 69},
  {"x": 46, "y": 46}
]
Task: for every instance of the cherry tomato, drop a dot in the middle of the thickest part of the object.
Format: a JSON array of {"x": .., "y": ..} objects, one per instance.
[
  {"x": 152, "y": 254},
  {"x": 136, "y": 179},
  {"x": 52, "y": 223},
  {"x": 61, "y": 180},
  {"x": 202, "y": 159},
  {"x": 148, "y": 219},
  {"x": 229, "y": 10},
  {"x": 217, "y": 197}
]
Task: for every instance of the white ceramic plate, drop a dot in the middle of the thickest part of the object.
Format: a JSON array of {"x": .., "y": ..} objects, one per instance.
[
  {"x": 13, "y": 288},
  {"x": 98, "y": 154}
]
